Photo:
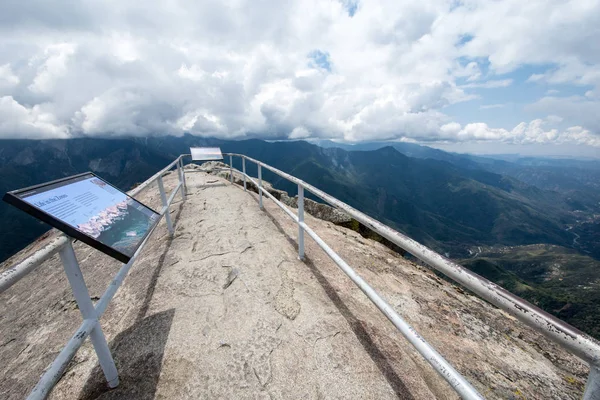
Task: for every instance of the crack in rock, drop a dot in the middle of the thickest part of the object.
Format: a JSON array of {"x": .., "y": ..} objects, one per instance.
[
  {"x": 232, "y": 276},
  {"x": 211, "y": 255}
]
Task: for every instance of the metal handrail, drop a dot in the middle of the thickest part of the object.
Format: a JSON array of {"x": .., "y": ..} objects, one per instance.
[
  {"x": 436, "y": 360},
  {"x": 90, "y": 326},
  {"x": 570, "y": 338}
]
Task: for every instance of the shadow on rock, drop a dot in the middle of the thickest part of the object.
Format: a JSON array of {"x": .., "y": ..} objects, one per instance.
[
  {"x": 138, "y": 354},
  {"x": 355, "y": 324}
]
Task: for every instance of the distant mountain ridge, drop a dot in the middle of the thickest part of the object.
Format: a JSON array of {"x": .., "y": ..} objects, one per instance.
[
  {"x": 449, "y": 202},
  {"x": 438, "y": 203},
  {"x": 557, "y": 174},
  {"x": 473, "y": 209},
  {"x": 576, "y": 181}
]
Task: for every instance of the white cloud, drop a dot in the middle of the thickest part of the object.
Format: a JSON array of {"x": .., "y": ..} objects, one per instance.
[
  {"x": 299, "y": 133},
  {"x": 506, "y": 32},
  {"x": 450, "y": 129},
  {"x": 574, "y": 72},
  {"x": 534, "y": 132},
  {"x": 7, "y": 78},
  {"x": 126, "y": 112},
  {"x": 193, "y": 73},
  {"x": 471, "y": 71},
  {"x": 491, "y": 84},
  {"x": 35, "y": 122},
  {"x": 246, "y": 68},
  {"x": 591, "y": 94},
  {"x": 583, "y": 109},
  {"x": 491, "y": 106},
  {"x": 53, "y": 68}
]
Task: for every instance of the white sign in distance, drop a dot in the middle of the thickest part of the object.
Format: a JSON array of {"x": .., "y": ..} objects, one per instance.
[{"x": 206, "y": 153}]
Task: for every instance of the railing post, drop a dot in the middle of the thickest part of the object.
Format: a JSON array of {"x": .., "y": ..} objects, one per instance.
[
  {"x": 230, "y": 168},
  {"x": 183, "y": 175},
  {"x": 86, "y": 307},
  {"x": 244, "y": 171},
  {"x": 260, "y": 204},
  {"x": 592, "y": 386},
  {"x": 163, "y": 198},
  {"x": 300, "y": 219},
  {"x": 180, "y": 173}
]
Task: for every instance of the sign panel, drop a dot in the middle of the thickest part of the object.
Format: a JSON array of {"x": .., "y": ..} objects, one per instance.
[
  {"x": 206, "y": 153},
  {"x": 90, "y": 209}
]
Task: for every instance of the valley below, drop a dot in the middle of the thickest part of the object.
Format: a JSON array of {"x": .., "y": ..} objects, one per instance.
[
  {"x": 529, "y": 225},
  {"x": 559, "y": 280}
]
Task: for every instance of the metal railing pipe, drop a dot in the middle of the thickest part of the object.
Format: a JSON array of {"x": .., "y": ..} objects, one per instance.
[
  {"x": 436, "y": 360},
  {"x": 260, "y": 196},
  {"x": 279, "y": 203},
  {"x": 91, "y": 314},
  {"x": 180, "y": 175},
  {"x": 556, "y": 330},
  {"x": 15, "y": 273},
  {"x": 173, "y": 194},
  {"x": 300, "y": 222},
  {"x": 244, "y": 172},
  {"x": 183, "y": 176},
  {"x": 144, "y": 185},
  {"x": 88, "y": 311},
  {"x": 59, "y": 365},
  {"x": 163, "y": 199},
  {"x": 569, "y": 337}
]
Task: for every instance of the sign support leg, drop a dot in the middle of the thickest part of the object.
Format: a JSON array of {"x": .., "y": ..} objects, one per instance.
[
  {"x": 163, "y": 198},
  {"x": 86, "y": 307},
  {"x": 244, "y": 171},
  {"x": 231, "y": 169},
  {"x": 260, "y": 204},
  {"x": 300, "y": 219}
]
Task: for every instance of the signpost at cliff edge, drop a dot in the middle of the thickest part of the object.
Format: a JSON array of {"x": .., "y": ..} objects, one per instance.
[{"x": 87, "y": 208}]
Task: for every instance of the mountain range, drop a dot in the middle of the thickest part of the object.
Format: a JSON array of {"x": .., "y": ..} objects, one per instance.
[{"x": 531, "y": 224}]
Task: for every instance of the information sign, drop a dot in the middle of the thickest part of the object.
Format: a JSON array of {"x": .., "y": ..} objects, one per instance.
[
  {"x": 90, "y": 209},
  {"x": 206, "y": 153}
]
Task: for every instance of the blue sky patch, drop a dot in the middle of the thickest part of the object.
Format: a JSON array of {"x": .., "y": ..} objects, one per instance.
[
  {"x": 351, "y": 6},
  {"x": 505, "y": 107},
  {"x": 320, "y": 59},
  {"x": 464, "y": 39}
]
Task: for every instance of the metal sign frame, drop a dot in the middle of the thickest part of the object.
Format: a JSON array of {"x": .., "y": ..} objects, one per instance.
[
  {"x": 209, "y": 153},
  {"x": 15, "y": 198}
]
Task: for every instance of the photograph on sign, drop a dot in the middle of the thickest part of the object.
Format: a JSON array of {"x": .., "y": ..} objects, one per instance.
[
  {"x": 89, "y": 209},
  {"x": 206, "y": 153}
]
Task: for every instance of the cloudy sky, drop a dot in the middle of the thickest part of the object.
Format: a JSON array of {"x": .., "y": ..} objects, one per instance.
[{"x": 481, "y": 75}]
